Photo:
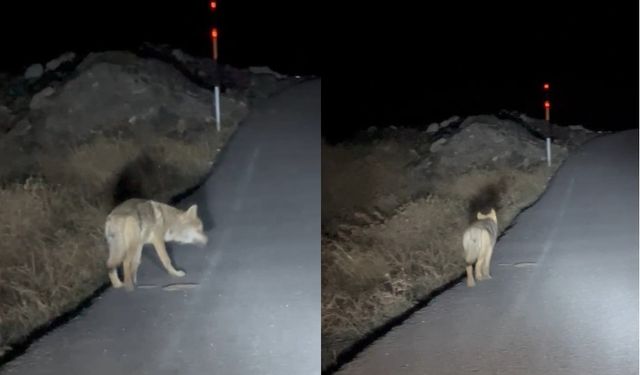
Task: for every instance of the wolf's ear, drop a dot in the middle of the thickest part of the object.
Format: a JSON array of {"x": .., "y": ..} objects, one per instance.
[{"x": 192, "y": 211}]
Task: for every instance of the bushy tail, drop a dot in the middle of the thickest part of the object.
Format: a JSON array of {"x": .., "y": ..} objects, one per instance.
[
  {"x": 145, "y": 177},
  {"x": 131, "y": 182},
  {"x": 488, "y": 197}
]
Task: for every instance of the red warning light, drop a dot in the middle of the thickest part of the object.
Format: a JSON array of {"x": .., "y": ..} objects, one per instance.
[
  {"x": 214, "y": 33},
  {"x": 547, "y": 104},
  {"x": 213, "y": 5},
  {"x": 546, "y": 86}
]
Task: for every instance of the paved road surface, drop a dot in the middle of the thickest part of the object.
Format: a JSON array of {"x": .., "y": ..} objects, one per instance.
[
  {"x": 564, "y": 293},
  {"x": 257, "y": 308}
]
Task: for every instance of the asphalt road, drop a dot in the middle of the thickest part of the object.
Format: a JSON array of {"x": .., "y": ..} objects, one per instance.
[
  {"x": 564, "y": 293},
  {"x": 252, "y": 299}
]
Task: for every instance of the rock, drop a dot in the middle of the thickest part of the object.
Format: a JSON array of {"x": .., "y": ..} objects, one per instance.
[
  {"x": 38, "y": 99},
  {"x": 266, "y": 85},
  {"x": 437, "y": 145},
  {"x": 433, "y": 128},
  {"x": 203, "y": 71},
  {"x": 209, "y": 74},
  {"x": 580, "y": 128},
  {"x": 62, "y": 59},
  {"x": 179, "y": 55},
  {"x": 526, "y": 118},
  {"x": 265, "y": 70},
  {"x": 22, "y": 127},
  {"x": 35, "y": 71},
  {"x": 449, "y": 121},
  {"x": 114, "y": 92},
  {"x": 487, "y": 140},
  {"x": 5, "y": 119}
]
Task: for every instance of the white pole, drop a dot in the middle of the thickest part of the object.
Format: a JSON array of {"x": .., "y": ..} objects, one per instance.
[
  {"x": 549, "y": 151},
  {"x": 216, "y": 91},
  {"x": 547, "y": 110},
  {"x": 217, "y": 106}
]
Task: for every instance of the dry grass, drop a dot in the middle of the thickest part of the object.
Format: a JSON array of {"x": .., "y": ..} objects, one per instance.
[
  {"x": 378, "y": 263},
  {"x": 52, "y": 255},
  {"x": 362, "y": 177},
  {"x": 53, "y": 251}
]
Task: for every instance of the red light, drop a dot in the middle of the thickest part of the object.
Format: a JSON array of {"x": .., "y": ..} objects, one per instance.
[
  {"x": 546, "y": 86},
  {"x": 213, "y": 5},
  {"x": 214, "y": 33},
  {"x": 547, "y": 104}
]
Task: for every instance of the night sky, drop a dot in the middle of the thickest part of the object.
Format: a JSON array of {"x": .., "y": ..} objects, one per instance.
[
  {"x": 401, "y": 65},
  {"x": 382, "y": 63},
  {"x": 251, "y": 32}
]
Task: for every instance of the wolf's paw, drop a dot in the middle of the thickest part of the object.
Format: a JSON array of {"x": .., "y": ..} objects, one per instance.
[
  {"x": 117, "y": 285},
  {"x": 179, "y": 274}
]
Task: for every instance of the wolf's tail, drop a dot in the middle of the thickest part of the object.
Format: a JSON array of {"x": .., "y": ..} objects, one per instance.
[
  {"x": 133, "y": 181},
  {"x": 141, "y": 178},
  {"x": 488, "y": 197}
]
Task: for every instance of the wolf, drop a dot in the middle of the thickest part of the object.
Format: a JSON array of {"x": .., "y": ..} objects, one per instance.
[
  {"x": 137, "y": 222},
  {"x": 478, "y": 241}
]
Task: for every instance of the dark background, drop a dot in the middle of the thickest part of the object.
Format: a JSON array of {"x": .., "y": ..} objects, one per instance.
[
  {"x": 400, "y": 63},
  {"x": 251, "y": 32},
  {"x": 411, "y": 65}
]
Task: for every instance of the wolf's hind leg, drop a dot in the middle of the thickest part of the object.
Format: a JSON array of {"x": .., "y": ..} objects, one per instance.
[
  {"x": 470, "y": 282},
  {"x": 486, "y": 264},
  {"x": 478, "y": 267}
]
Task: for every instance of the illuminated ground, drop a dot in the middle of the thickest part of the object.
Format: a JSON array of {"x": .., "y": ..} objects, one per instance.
[
  {"x": 250, "y": 303},
  {"x": 564, "y": 293}
]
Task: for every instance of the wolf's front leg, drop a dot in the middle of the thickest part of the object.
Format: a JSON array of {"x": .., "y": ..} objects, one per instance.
[
  {"x": 128, "y": 280},
  {"x": 159, "y": 245},
  {"x": 479, "y": 267},
  {"x": 135, "y": 263},
  {"x": 115, "y": 280}
]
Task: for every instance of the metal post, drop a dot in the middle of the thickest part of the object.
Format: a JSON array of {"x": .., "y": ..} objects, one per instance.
[
  {"x": 546, "y": 117},
  {"x": 547, "y": 112},
  {"x": 217, "y": 105},
  {"x": 216, "y": 91}
]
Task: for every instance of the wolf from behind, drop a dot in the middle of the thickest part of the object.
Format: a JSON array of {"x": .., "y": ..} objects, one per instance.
[
  {"x": 137, "y": 222},
  {"x": 478, "y": 242}
]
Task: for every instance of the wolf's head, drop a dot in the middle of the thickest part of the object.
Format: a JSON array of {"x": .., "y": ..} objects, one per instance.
[
  {"x": 491, "y": 215},
  {"x": 187, "y": 228}
]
